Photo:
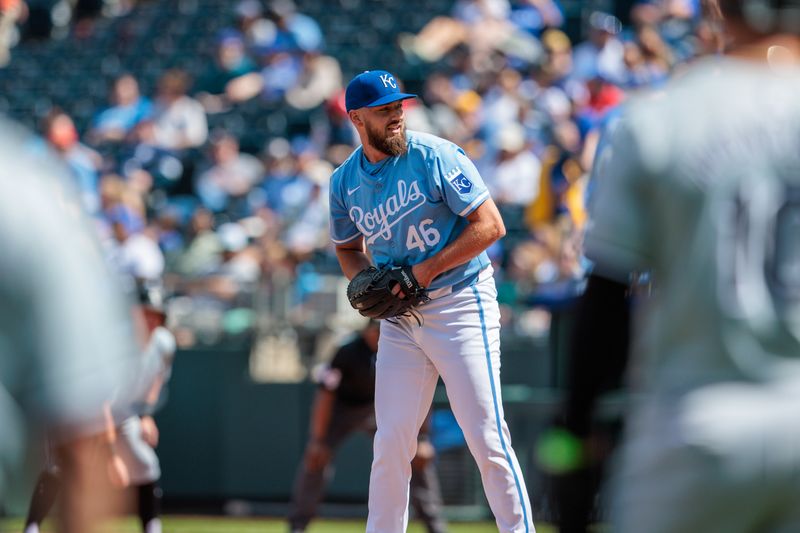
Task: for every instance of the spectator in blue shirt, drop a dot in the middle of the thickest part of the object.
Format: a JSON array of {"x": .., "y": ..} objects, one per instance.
[
  {"x": 127, "y": 109},
  {"x": 294, "y": 30},
  {"x": 218, "y": 87},
  {"x": 83, "y": 162}
]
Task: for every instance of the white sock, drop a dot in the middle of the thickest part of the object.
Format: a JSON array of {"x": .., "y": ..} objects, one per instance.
[
  {"x": 153, "y": 526},
  {"x": 32, "y": 528}
]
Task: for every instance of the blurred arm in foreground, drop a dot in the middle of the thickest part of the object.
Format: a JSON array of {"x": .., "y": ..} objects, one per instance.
[
  {"x": 700, "y": 188},
  {"x": 66, "y": 342}
]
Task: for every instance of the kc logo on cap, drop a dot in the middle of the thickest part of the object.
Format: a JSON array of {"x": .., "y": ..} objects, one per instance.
[
  {"x": 388, "y": 81},
  {"x": 373, "y": 88}
]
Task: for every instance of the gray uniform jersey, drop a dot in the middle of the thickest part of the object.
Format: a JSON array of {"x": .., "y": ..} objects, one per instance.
[
  {"x": 138, "y": 456},
  {"x": 701, "y": 185},
  {"x": 65, "y": 335},
  {"x": 155, "y": 362}
]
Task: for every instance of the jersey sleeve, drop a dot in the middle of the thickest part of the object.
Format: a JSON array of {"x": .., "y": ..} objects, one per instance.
[
  {"x": 457, "y": 179},
  {"x": 617, "y": 237},
  {"x": 342, "y": 228}
]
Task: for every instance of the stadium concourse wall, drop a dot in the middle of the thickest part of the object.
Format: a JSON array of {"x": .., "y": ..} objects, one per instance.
[{"x": 227, "y": 438}]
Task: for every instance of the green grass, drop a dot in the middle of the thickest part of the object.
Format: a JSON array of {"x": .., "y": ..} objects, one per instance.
[{"x": 195, "y": 524}]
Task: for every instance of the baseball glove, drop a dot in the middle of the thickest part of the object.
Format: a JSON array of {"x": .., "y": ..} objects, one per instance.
[{"x": 370, "y": 292}]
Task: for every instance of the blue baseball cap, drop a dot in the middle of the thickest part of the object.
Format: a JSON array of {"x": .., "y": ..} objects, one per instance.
[{"x": 373, "y": 88}]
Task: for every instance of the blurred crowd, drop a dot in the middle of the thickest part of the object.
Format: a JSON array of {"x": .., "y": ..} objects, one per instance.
[
  {"x": 528, "y": 104},
  {"x": 216, "y": 216}
]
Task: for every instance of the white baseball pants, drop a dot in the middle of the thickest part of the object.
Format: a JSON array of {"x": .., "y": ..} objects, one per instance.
[{"x": 459, "y": 340}]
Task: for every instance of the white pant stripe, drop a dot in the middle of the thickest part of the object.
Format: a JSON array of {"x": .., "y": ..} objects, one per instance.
[{"x": 497, "y": 410}]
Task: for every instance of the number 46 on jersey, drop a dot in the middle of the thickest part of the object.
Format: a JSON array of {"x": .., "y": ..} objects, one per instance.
[{"x": 423, "y": 236}]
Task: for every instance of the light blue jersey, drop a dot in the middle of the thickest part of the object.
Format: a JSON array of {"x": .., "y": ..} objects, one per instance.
[{"x": 410, "y": 207}]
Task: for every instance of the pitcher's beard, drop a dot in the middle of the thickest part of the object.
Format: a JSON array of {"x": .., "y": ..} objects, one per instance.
[{"x": 393, "y": 145}]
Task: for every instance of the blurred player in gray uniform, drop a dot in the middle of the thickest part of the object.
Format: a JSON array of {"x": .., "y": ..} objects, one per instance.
[
  {"x": 701, "y": 186},
  {"x": 138, "y": 434},
  {"x": 65, "y": 337},
  {"x": 344, "y": 404},
  {"x": 132, "y": 440}
]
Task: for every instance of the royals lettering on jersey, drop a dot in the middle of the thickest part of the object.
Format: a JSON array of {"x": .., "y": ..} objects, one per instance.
[
  {"x": 409, "y": 207},
  {"x": 379, "y": 222}
]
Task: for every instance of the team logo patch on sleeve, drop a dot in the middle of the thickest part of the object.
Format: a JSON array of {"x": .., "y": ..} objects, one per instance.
[{"x": 459, "y": 181}]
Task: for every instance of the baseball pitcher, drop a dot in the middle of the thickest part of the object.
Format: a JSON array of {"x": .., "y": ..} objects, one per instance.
[{"x": 411, "y": 219}]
